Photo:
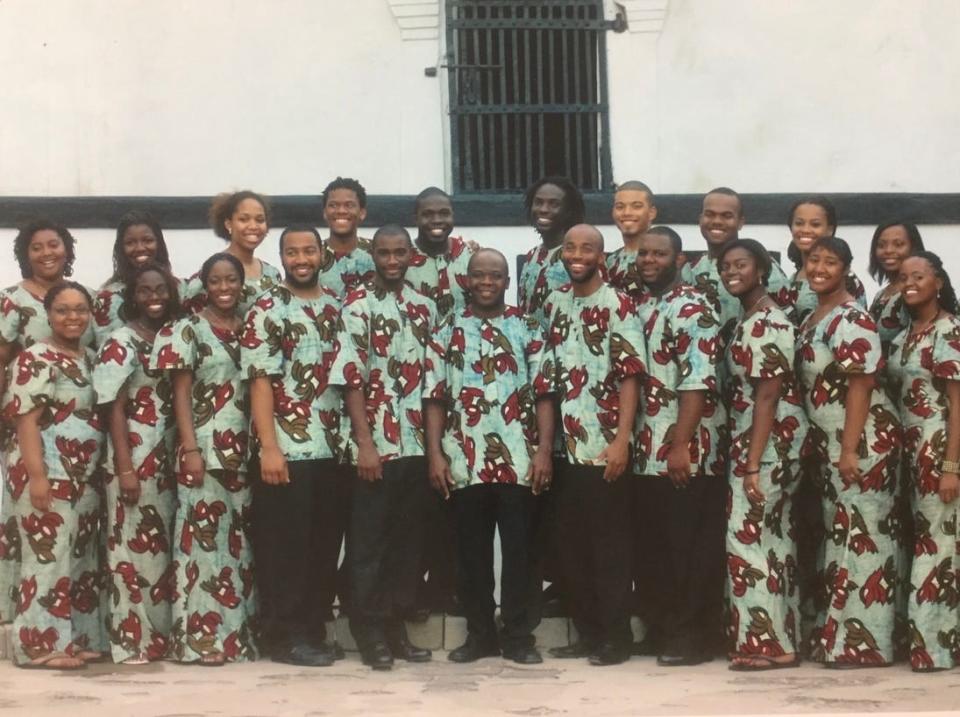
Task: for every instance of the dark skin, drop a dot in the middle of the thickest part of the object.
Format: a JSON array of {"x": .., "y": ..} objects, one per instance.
[
  {"x": 546, "y": 214},
  {"x": 391, "y": 257},
  {"x": 343, "y": 215},
  {"x": 489, "y": 278},
  {"x": 302, "y": 257},
  {"x": 721, "y": 220},
  {"x": 434, "y": 219},
  {"x": 247, "y": 227},
  {"x": 582, "y": 255}
]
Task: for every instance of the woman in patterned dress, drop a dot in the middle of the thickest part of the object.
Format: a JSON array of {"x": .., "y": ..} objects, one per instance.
[
  {"x": 243, "y": 220},
  {"x": 811, "y": 219},
  {"x": 854, "y": 440},
  {"x": 138, "y": 476},
  {"x": 892, "y": 243},
  {"x": 139, "y": 242},
  {"x": 51, "y": 460},
  {"x": 925, "y": 370},
  {"x": 767, "y": 427},
  {"x": 45, "y": 252},
  {"x": 214, "y": 605}
]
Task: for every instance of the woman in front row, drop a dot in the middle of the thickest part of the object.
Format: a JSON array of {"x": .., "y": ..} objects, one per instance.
[
  {"x": 51, "y": 463},
  {"x": 214, "y": 612},
  {"x": 925, "y": 368},
  {"x": 767, "y": 427},
  {"x": 854, "y": 441}
]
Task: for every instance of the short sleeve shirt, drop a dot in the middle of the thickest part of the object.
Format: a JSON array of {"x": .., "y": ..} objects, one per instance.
[
  {"x": 292, "y": 341},
  {"x": 383, "y": 338},
  {"x": 595, "y": 343},
  {"x": 486, "y": 371},
  {"x": 623, "y": 274},
  {"x": 343, "y": 271},
  {"x": 443, "y": 277},
  {"x": 683, "y": 354},
  {"x": 195, "y": 297}
]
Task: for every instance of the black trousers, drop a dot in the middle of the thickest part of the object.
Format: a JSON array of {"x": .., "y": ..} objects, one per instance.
[
  {"x": 549, "y": 531},
  {"x": 384, "y": 545},
  {"x": 595, "y": 552},
  {"x": 298, "y": 531},
  {"x": 680, "y": 536},
  {"x": 439, "y": 559},
  {"x": 511, "y": 509}
]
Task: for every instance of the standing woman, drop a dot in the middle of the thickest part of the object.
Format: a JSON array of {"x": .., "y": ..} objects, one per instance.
[
  {"x": 45, "y": 252},
  {"x": 242, "y": 219},
  {"x": 51, "y": 462},
  {"x": 892, "y": 243},
  {"x": 925, "y": 368},
  {"x": 138, "y": 475},
  {"x": 854, "y": 439},
  {"x": 812, "y": 219},
  {"x": 139, "y": 242},
  {"x": 767, "y": 426},
  {"x": 215, "y": 603}
]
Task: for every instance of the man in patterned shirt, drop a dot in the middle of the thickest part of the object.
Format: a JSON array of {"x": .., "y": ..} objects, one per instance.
[
  {"x": 384, "y": 331},
  {"x": 301, "y": 499},
  {"x": 679, "y": 463},
  {"x": 633, "y": 212},
  {"x": 596, "y": 365},
  {"x": 347, "y": 260},
  {"x": 489, "y": 444}
]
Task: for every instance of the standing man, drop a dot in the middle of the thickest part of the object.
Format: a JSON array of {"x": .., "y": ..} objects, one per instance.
[
  {"x": 302, "y": 496},
  {"x": 489, "y": 445},
  {"x": 347, "y": 261},
  {"x": 384, "y": 331},
  {"x": 596, "y": 364},
  {"x": 721, "y": 220},
  {"x": 680, "y": 463},
  {"x": 633, "y": 212}
]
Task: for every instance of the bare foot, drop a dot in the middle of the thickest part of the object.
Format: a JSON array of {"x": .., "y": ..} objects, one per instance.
[
  {"x": 55, "y": 661},
  {"x": 89, "y": 656},
  {"x": 138, "y": 659}
]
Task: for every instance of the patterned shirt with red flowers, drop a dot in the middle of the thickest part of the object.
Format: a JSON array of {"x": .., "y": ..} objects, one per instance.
[
  {"x": 762, "y": 347},
  {"x": 106, "y": 308},
  {"x": 442, "y": 277},
  {"x": 343, "y": 271},
  {"x": 123, "y": 367},
  {"x": 595, "y": 343},
  {"x": 62, "y": 386},
  {"x": 383, "y": 338},
  {"x": 486, "y": 371},
  {"x": 220, "y": 406},
  {"x": 542, "y": 273},
  {"x": 194, "y": 296},
  {"x": 623, "y": 275},
  {"x": 292, "y": 341},
  {"x": 683, "y": 354}
]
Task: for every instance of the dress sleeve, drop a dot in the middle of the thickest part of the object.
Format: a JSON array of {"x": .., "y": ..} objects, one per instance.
[
  {"x": 260, "y": 347},
  {"x": 854, "y": 342},
  {"x": 349, "y": 367},
  {"x": 696, "y": 334},
  {"x": 31, "y": 384},
  {"x": 9, "y": 319},
  {"x": 627, "y": 345},
  {"x": 857, "y": 290},
  {"x": 175, "y": 347},
  {"x": 116, "y": 362},
  {"x": 946, "y": 354},
  {"x": 192, "y": 296},
  {"x": 770, "y": 344}
]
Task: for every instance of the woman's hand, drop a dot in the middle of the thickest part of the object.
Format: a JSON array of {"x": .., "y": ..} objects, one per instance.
[
  {"x": 40, "y": 493},
  {"x": 849, "y": 468},
  {"x": 129, "y": 486},
  {"x": 949, "y": 487},
  {"x": 192, "y": 467},
  {"x": 751, "y": 486}
]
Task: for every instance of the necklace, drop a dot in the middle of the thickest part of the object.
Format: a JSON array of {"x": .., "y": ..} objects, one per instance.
[
  {"x": 916, "y": 330},
  {"x": 224, "y": 324},
  {"x": 756, "y": 305}
]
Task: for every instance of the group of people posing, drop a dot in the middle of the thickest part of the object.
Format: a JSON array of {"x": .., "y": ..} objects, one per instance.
[{"x": 185, "y": 458}]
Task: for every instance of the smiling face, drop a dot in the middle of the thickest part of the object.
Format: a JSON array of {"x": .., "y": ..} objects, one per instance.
[
  {"x": 893, "y": 246},
  {"x": 739, "y": 271},
  {"x": 224, "y": 286},
  {"x": 825, "y": 271},
  {"x": 69, "y": 315},
  {"x": 657, "y": 262},
  {"x": 546, "y": 210},
  {"x": 139, "y": 244},
  {"x": 302, "y": 257},
  {"x": 488, "y": 278},
  {"x": 247, "y": 226},
  {"x": 809, "y": 223},
  {"x": 47, "y": 255},
  {"x": 391, "y": 257},
  {"x": 435, "y": 218},
  {"x": 582, "y": 253},
  {"x": 920, "y": 282},
  {"x": 152, "y": 296},
  {"x": 343, "y": 213},
  {"x": 633, "y": 213},
  {"x": 720, "y": 219}
]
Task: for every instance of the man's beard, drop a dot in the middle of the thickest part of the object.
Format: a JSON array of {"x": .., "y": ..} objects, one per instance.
[{"x": 310, "y": 283}]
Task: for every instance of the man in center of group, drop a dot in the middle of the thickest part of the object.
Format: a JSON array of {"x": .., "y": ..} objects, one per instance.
[
  {"x": 633, "y": 212},
  {"x": 383, "y": 336},
  {"x": 347, "y": 261}
]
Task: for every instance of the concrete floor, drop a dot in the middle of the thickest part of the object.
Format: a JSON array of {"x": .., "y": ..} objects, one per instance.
[{"x": 487, "y": 687}]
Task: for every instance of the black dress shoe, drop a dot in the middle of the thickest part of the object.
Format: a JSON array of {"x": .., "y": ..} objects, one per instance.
[
  {"x": 577, "y": 649},
  {"x": 378, "y": 656},
  {"x": 402, "y": 649},
  {"x": 524, "y": 655},
  {"x": 303, "y": 655},
  {"x": 683, "y": 660},
  {"x": 647, "y": 647},
  {"x": 609, "y": 653},
  {"x": 473, "y": 650}
]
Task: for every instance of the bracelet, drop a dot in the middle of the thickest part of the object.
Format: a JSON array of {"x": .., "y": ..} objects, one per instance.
[
  {"x": 950, "y": 466},
  {"x": 752, "y": 473},
  {"x": 185, "y": 451},
  {"x": 130, "y": 472}
]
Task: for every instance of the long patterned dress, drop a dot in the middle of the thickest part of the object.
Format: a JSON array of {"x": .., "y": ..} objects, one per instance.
[
  {"x": 921, "y": 365},
  {"x": 761, "y": 550},
  {"x": 194, "y": 296},
  {"x": 58, "y": 588},
  {"x": 23, "y": 322},
  {"x": 859, "y": 580},
  {"x": 804, "y": 300},
  {"x": 214, "y": 607},
  {"x": 140, "y": 537},
  {"x": 443, "y": 277}
]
